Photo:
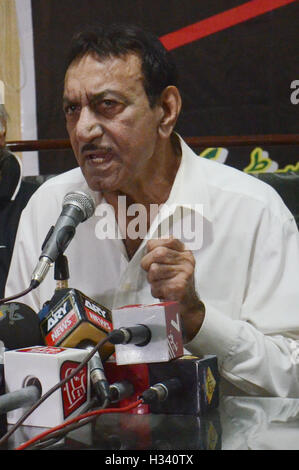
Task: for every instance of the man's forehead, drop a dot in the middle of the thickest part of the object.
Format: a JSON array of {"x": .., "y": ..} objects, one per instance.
[
  {"x": 128, "y": 64},
  {"x": 93, "y": 71}
]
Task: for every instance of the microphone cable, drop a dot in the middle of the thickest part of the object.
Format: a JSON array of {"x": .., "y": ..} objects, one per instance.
[
  {"x": 91, "y": 414},
  {"x": 58, "y": 434},
  {"x": 155, "y": 393},
  {"x": 33, "y": 285}
]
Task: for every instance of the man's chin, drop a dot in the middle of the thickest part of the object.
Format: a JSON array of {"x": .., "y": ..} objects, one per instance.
[{"x": 101, "y": 185}]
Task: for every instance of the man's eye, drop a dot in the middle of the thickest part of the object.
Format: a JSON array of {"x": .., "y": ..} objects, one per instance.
[
  {"x": 109, "y": 107},
  {"x": 70, "y": 109},
  {"x": 109, "y": 103}
]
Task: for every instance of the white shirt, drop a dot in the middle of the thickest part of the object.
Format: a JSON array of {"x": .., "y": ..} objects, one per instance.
[{"x": 247, "y": 269}]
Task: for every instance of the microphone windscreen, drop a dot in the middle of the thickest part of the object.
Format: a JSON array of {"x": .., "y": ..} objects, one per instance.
[
  {"x": 19, "y": 326},
  {"x": 71, "y": 319}
]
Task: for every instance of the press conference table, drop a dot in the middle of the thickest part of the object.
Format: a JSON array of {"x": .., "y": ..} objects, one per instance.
[{"x": 239, "y": 423}]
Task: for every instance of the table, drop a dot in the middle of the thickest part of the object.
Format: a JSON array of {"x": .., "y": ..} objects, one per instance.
[{"x": 239, "y": 423}]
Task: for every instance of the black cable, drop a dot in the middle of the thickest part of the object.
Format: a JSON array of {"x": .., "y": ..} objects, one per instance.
[
  {"x": 52, "y": 390},
  {"x": 32, "y": 286}
]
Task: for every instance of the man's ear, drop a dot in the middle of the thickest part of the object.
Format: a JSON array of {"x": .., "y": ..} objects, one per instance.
[{"x": 170, "y": 104}]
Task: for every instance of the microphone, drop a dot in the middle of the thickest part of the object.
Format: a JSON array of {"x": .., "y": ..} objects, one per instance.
[
  {"x": 97, "y": 375},
  {"x": 187, "y": 385},
  {"x": 25, "y": 397},
  {"x": 32, "y": 372},
  {"x": 157, "y": 339},
  {"x": 160, "y": 392},
  {"x": 77, "y": 207},
  {"x": 118, "y": 391},
  {"x": 73, "y": 320},
  {"x": 139, "y": 335},
  {"x": 19, "y": 326}
]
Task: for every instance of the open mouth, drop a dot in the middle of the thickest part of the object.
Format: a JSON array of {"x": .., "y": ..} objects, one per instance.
[{"x": 99, "y": 157}]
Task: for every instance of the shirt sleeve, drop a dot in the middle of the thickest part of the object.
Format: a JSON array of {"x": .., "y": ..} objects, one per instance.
[{"x": 259, "y": 352}]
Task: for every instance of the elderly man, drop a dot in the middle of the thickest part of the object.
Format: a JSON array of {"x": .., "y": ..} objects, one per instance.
[
  {"x": 14, "y": 195},
  {"x": 237, "y": 283}
]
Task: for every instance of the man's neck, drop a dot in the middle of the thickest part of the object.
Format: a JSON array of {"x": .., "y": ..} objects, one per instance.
[
  {"x": 149, "y": 192},
  {"x": 153, "y": 186}
]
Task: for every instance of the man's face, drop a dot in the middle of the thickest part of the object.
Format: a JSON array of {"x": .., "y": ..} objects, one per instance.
[{"x": 112, "y": 129}]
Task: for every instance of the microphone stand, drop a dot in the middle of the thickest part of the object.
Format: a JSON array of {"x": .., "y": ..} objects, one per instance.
[
  {"x": 97, "y": 375},
  {"x": 61, "y": 276}
]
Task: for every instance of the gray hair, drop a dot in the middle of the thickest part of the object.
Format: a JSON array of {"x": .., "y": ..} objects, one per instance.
[{"x": 3, "y": 118}]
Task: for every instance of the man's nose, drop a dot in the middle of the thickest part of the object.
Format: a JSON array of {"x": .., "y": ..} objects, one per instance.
[{"x": 88, "y": 126}]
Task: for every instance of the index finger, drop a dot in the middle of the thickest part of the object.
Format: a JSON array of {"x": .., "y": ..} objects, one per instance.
[{"x": 172, "y": 243}]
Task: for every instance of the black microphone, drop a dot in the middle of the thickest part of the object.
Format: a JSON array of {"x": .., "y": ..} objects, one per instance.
[
  {"x": 77, "y": 207},
  {"x": 140, "y": 335},
  {"x": 19, "y": 326},
  {"x": 161, "y": 391}
]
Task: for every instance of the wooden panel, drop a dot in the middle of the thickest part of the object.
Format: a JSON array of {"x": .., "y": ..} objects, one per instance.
[{"x": 204, "y": 141}]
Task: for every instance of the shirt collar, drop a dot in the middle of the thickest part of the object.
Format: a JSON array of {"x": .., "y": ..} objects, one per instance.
[
  {"x": 188, "y": 200},
  {"x": 190, "y": 187}
]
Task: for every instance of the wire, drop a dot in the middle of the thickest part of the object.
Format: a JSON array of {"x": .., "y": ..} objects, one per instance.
[
  {"x": 94, "y": 413},
  {"x": 53, "y": 389},
  {"x": 56, "y": 436},
  {"x": 59, "y": 434},
  {"x": 32, "y": 286}
]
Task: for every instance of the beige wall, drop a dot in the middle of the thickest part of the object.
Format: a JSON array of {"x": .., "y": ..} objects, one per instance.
[{"x": 10, "y": 66}]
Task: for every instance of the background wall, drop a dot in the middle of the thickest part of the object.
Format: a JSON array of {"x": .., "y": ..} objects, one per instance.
[
  {"x": 10, "y": 66},
  {"x": 238, "y": 61}
]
